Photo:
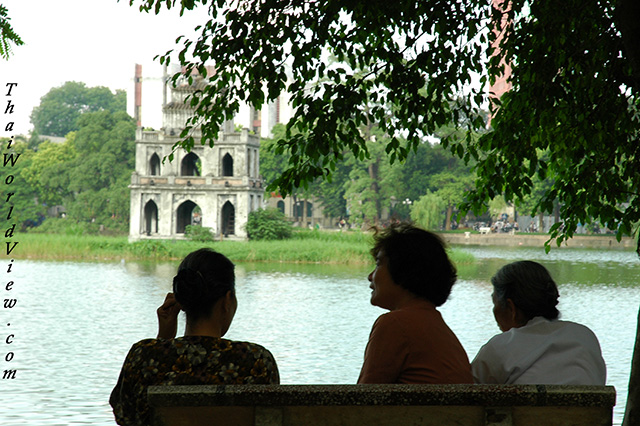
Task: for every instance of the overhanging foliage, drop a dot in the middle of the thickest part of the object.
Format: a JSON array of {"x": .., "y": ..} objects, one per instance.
[
  {"x": 409, "y": 67},
  {"x": 401, "y": 65},
  {"x": 7, "y": 35},
  {"x": 571, "y": 118}
]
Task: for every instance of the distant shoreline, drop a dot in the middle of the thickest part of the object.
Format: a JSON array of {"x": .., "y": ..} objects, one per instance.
[
  {"x": 537, "y": 240},
  {"x": 326, "y": 247}
]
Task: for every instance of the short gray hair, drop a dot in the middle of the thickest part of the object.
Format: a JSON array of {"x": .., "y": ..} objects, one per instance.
[{"x": 530, "y": 286}]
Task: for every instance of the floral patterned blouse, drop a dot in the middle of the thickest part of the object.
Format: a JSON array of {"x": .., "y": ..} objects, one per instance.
[{"x": 188, "y": 360}]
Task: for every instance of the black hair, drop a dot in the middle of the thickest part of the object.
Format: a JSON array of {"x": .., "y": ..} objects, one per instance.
[
  {"x": 203, "y": 277},
  {"x": 417, "y": 261},
  {"x": 530, "y": 286}
]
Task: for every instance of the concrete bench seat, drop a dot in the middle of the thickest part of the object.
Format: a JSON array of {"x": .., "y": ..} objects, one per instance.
[{"x": 329, "y": 405}]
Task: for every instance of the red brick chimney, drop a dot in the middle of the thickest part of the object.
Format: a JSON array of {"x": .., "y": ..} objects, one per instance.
[
  {"x": 137, "y": 109},
  {"x": 501, "y": 84}
]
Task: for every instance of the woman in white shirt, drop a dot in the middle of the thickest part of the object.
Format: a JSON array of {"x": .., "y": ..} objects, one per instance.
[{"x": 535, "y": 347}]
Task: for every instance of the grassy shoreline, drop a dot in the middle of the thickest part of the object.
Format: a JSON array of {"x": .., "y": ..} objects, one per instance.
[{"x": 306, "y": 247}]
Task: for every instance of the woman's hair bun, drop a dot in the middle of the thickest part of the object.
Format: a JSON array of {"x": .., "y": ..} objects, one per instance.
[
  {"x": 190, "y": 290},
  {"x": 203, "y": 277},
  {"x": 530, "y": 286}
]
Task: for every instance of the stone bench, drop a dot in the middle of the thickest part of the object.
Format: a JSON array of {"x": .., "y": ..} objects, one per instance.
[{"x": 329, "y": 405}]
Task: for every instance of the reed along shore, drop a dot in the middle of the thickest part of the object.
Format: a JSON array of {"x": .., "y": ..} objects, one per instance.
[{"x": 332, "y": 247}]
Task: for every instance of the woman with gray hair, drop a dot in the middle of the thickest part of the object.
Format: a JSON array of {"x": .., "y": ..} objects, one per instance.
[{"x": 535, "y": 347}]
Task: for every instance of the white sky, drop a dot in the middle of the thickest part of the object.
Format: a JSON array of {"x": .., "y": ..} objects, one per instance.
[{"x": 97, "y": 42}]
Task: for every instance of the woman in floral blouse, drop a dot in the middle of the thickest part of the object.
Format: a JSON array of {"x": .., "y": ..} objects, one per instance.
[{"x": 205, "y": 289}]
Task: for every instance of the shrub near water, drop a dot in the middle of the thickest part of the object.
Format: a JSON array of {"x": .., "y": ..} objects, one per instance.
[
  {"x": 198, "y": 233},
  {"x": 267, "y": 224}
]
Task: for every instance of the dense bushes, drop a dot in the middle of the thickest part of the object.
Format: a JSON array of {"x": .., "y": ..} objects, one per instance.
[
  {"x": 267, "y": 224},
  {"x": 68, "y": 226},
  {"x": 198, "y": 233}
]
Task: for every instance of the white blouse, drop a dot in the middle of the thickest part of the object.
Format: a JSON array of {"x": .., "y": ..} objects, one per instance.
[{"x": 541, "y": 352}]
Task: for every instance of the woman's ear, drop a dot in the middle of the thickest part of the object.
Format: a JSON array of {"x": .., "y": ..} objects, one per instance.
[
  {"x": 229, "y": 301},
  {"x": 516, "y": 316}
]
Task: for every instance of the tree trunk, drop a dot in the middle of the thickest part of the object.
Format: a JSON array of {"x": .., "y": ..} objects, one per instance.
[
  {"x": 373, "y": 175},
  {"x": 541, "y": 222},
  {"x": 632, "y": 410},
  {"x": 447, "y": 223}
]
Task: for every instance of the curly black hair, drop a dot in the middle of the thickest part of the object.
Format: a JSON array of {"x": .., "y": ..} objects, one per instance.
[{"x": 417, "y": 260}]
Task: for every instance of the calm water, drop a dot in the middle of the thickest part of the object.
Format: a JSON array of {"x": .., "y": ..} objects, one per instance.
[{"x": 74, "y": 322}]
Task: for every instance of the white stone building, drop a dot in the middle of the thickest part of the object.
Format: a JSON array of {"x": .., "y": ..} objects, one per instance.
[{"x": 214, "y": 187}]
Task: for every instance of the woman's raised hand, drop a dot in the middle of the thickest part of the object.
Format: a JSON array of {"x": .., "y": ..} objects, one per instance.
[{"x": 168, "y": 317}]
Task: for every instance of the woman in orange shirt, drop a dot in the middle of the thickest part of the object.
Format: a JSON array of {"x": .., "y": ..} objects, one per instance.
[{"x": 412, "y": 343}]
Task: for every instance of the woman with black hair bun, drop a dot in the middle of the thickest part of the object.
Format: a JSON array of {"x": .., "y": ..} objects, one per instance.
[
  {"x": 204, "y": 288},
  {"x": 535, "y": 347}
]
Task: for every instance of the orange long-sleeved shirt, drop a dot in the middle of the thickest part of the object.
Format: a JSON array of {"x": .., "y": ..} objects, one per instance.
[{"x": 414, "y": 345}]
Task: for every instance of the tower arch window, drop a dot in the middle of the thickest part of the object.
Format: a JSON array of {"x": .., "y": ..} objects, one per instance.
[
  {"x": 228, "y": 219},
  {"x": 227, "y": 165},
  {"x": 191, "y": 165},
  {"x": 255, "y": 163},
  {"x": 150, "y": 218},
  {"x": 280, "y": 206},
  {"x": 154, "y": 165},
  {"x": 188, "y": 214}
]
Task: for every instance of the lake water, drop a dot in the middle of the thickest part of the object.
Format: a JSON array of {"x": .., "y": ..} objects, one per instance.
[{"x": 74, "y": 322}]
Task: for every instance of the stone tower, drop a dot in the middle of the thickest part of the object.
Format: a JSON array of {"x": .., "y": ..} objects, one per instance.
[{"x": 213, "y": 187}]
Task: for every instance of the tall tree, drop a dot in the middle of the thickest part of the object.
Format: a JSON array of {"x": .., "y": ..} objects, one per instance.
[
  {"x": 88, "y": 173},
  {"x": 48, "y": 171},
  {"x": 271, "y": 164},
  {"x": 451, "y": 190},
  {"x": 364, "y": 190},
  {"x": 105, "y": 144},
  {"x": 331, "y": 192},
  {"x": 27, "y": 210},
  {"x": 427, "y": 211},
  {"x": 61, "y": 107}
]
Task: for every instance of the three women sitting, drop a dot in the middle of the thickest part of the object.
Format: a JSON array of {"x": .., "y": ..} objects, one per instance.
[{"x": 409, "y": 344}]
